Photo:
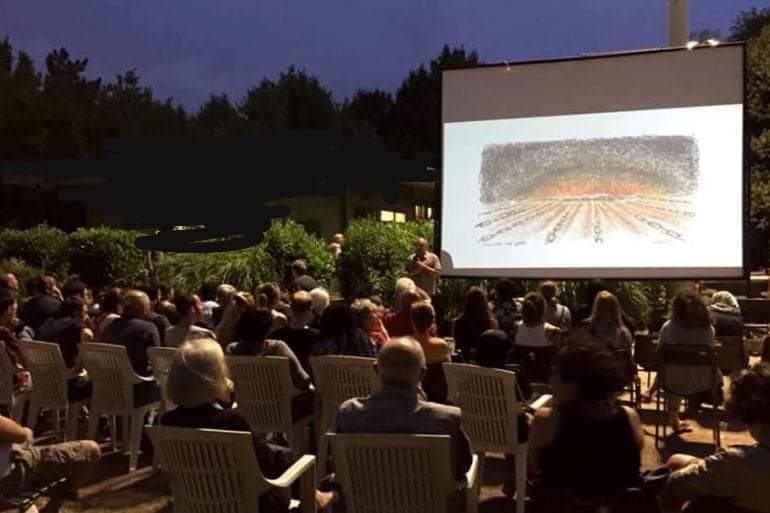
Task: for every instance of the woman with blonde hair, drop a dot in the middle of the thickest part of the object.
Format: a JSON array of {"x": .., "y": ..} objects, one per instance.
[
  {"x": 226, "y": 328},
  {"x": 200, "y": 386},
  {"x": 606, "y": 322}
]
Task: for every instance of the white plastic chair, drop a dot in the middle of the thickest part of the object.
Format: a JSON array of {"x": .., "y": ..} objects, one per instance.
[
  {"x": 160, "y": 361},
  {"x": 113, "y": 380},
  {"x": 337, "y": 379},
  {"x": 214, "y": 471},
  {"x": 383, "y": 473},
  {"x": 15, "y": 402},
  {"x": 264, "y": 392},
  {"x": 487, "y": 398},
  {"x": 50, "y": 374}
]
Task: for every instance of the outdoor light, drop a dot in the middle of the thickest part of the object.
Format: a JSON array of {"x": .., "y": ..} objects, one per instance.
[
  {"x": 713, "y": 42},
  {"x": 507, "y": 66},
  {"x": 692, "y": 44}
]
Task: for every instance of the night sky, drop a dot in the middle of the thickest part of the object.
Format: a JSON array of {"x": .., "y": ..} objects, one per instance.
[{"x": 187, "y": 49}]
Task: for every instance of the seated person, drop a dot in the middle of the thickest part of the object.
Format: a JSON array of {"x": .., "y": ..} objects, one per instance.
[
  {"x": 475, "y": 319},
  {"x": 398, "y": 408},
  {"x": 43, "y": 304},
  {"x": 435, "y": 349},
  {"x": 340, "y": 334},
  {"x": 199, "y": 385},
  {"x": 24, "y": 466},
  {"x": 555, "y": 313},
  {"x": 370, "y": 321},
  {"x": 533, "y": 330},
  {"x": 398, "y": 323},
  {"x": 298, "y": 334},
  {"x": 726, "y": 315},
  {"x": 252, "y": 329},
  {"x": 189, "y": 310},
  {"x": 586, "y": 415},
  {"x": 8, "y": 309},
  {"x": 135, "y": 331},
  {"x": 738, "y": 476}
]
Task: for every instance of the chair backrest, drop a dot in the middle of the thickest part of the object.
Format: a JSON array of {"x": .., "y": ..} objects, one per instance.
[
  {"x": 731, "y": 354},
  {"x": 210, "y": 471},
  {"x": 160, "y": 361},
  {"x": 263, "y": 390},
  {"x": 487, "y": 398},
  {"x": 112, "y": 376},
  {"x": 339, "y": 378},
  {"x": 687, "y": 356},
  {"x": 685, "y": 370},
  {"x": 646, "y": 352},
  {"x": 383, "y": 473},
  {"x": 7, "y": 371},
  {"x": 755, "y": 310},
  {"x": 45, "y": 363}
]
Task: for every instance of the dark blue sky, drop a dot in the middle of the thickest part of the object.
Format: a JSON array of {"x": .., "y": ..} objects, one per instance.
[{"x": 187, "y": 49}]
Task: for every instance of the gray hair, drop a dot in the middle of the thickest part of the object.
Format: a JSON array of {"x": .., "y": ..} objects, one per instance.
[
  {"x": 198, "y": 374},
  {"x": 320, "y": 299},
  {"x": 224, "y": 293}
]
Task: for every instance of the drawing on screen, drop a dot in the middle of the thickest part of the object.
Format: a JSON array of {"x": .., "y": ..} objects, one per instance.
[{"x": 600, "y": 190}]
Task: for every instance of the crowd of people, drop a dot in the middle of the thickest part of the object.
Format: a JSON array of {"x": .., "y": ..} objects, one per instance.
[{"x": 586, "y": 445}]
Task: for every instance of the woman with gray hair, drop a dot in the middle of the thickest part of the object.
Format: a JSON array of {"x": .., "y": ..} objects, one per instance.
[
  {"x": 200, "y": 386},
  {"x": 726, "y": 315}
]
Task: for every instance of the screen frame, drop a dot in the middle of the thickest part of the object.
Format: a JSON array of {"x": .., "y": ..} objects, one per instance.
[{"x": 669, "y": 273}]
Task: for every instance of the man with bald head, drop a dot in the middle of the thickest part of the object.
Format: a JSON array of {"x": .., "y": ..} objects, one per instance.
[
  {"x": 134, "y": 330},
  {"x": 424, "y": 267},
  {"x": 398, "y": 408}
]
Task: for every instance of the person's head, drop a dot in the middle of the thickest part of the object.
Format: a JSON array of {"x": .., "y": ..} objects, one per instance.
[
  {"x": 74, "y": 288},
  {"x": 189, "y": 307},
  {"x": 254, "y": 324},
  {"x": 401, "y": 363},
  {"x": 689, "y": 310},
  {"x": 493, "y": 349},
  {"x": 166, "y": 292},
  {"x": 41, "y": 285},
  {"x": 111, "y": 301},
  {"x": 420, "y": 246},
  {"x": 366, "y": 314},
  {"x": 8, "y": 307},
  {"x": 137, "y": 305},
  {"x": 606, "y": 310},
  {"x": 532, "y": 309},
  {"x": 320, "y": 298},
  {"x": 749, "y": 400},
  {"x": 404, "y": 284},
  {"x": 724, "y": 301},
  {"x": 298, "y": 268},
  {"x": 422, "y": 315},
  {"x": 9, "y": 281},
  {"x": 338, "y": 320},
  {"x": 224, "y": 294},
  {"x": 198, "y": 374},
  {"x": 406, "y": 299},
  {"x": 301, "y": 306},
  {"x": 476, "y": 304},
  {"x": 335, "y": 249},
  {"x": 74, "y": 307},
  {"x": 208, "y": 291},
  {"x": 549, "y": 291},
  {"x": 505, "y": 289},
  {"x": 585, "y": 371},
  {"x": 271, "y": 293},
  {"x": 338, "y": 238}
]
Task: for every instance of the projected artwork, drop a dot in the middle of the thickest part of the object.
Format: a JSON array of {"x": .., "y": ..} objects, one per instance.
[{"x": 601, "y": 190}]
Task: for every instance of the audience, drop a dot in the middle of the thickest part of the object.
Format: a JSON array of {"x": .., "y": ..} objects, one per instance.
[
  {"x": 300, "y": 279},
  {"x": 42, "y": 305},
  {"x": 8, "y": 320},
  {"x": 398, "y": 408},
  {"x": 200, "y": 386},
  {"x": 586, "y": 446},
  {"x": 9, "y": 281},
  {"x": 341, "y": 335},
  {"x": 399, "y": 323},
  {"x": 110, "y": 308},
  {"x": 435, "y": 349},
  {"x": 269, "y": 296},
  {"x": 726, "y": 315},
  {"x": 475, "y": 319},
  {"x": 424, "y": 267},
  {"x": 690, "y": 325},
  {"x": 252, "y": 329},
  {"x": 532, "y": 330},
  {"x": 320, "y": 302},
  {"x": 493, "y": 350},
  {"x": 226, "y": 328},
  {"x": 506, "y": 309},
  {"x": 298, "y": 334},
  {"x": 68, "y": 330},
  {"x": 556, "y": 314},
  {"x": 584, "y": 311},
  {"x": 224, "y": 295},
  {"x": 369, "y": 321},
  {"x": 739, "y": 476},
  {"x": 606, "y": 323},
  {"x": 189, "y": 308}
]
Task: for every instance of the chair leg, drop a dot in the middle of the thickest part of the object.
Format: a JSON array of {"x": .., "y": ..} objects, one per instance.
[
  {"x": 71, "y": 427},
  {"x": 135, "y": 437},
  {"x": 17, "y": 409},
  {"x": 480, "y": 479},
  {"x": 323, "y": 455},
  {"x": 657, "y": 419},
  {"x": 93, "y": 424},
  {"x": 521, "y": 477},
  {"x": 33, "y": 414},
  {"x": 113, "y": 420}
]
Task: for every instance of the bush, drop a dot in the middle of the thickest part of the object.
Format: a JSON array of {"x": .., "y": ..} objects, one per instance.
[
  {"x": 23, "y": 272},
  {"x": 244, "y": 269},
  {"x": 42, "y": 247},
  {"x": 375, "y": 254},
  {"x": 287, "y": 241},
  {"x": 106, "y": 256}
]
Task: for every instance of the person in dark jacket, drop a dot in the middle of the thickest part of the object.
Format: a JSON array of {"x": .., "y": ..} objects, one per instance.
[
  {"x": 42, "y": 305},
  {"x": 726, "y": 315}
]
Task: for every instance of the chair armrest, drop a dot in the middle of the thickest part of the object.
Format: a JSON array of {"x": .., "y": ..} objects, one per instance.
[
  {"x": 540, "y": 402},
  {"x": 300, "y": 467},
  {"x": 141, "y": 379},
  {"x": 472, "y": 476}
]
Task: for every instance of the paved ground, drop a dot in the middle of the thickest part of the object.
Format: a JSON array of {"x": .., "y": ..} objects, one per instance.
[{"x": 145, "y": 492}]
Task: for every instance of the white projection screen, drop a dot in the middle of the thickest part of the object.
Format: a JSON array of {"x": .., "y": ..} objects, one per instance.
[{"x": 620, "y": 166}]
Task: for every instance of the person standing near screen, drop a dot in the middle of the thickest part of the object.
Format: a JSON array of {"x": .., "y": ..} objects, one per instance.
[{"x": 424, "y": 267}]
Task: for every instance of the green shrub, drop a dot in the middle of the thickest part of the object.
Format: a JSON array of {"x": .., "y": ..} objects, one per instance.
[
  {"x": 375, "y": 254},
  {"x": 23, "y": 272},
  {"x": 43, "y": 247},
  {"x": 286, "y": 241},
  {"x": 106, "y": 256}
]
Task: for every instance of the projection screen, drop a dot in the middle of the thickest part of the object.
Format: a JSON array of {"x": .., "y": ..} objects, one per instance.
[{"x": 621, "y": 166}]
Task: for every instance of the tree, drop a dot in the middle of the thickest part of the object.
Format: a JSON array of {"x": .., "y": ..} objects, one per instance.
[
  {"x": 749, "y": 24},
  {"x": 295, "y": 101},
  {"x": 218, "y": 117},
  {"x": 367, "y": 113},
  {"x": 416, "y": 120},
  {"x": 21, "y": 116}
]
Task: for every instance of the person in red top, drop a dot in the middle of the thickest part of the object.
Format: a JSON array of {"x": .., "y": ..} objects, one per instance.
[
  {"x": 370, "y": 321},
  {"x": 399, "y": 324}
]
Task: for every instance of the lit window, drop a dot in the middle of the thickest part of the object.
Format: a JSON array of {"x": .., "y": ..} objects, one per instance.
[
  {"x": 423, "y": 212},
  {"x": 387, "y": 216},
  {"x": 400, "y": 217}
]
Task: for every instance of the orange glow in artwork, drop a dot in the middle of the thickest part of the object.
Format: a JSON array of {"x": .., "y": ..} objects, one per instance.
[{"x": 589, "y": 188}]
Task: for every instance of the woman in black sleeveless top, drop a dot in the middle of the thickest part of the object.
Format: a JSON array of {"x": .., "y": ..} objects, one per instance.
[{"x": 588, "y": 446}]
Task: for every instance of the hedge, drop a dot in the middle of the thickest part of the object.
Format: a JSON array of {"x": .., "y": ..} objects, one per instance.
[
  {"x": 106, "y": 256},
  {"x": 42, "y": 247}
]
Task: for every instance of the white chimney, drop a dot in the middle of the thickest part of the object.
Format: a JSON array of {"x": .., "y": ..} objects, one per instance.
[{"x": 678, "y": 22}]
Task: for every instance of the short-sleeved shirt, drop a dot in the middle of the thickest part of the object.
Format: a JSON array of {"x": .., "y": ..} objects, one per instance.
[
  {"x": 270, "y": 347},
  {"x": 422, "y": 279},
  {"x": 177, "y": 335}
]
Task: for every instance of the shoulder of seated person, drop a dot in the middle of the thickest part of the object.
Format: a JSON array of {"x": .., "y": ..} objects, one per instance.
[{"x": 446, "y": 411}]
